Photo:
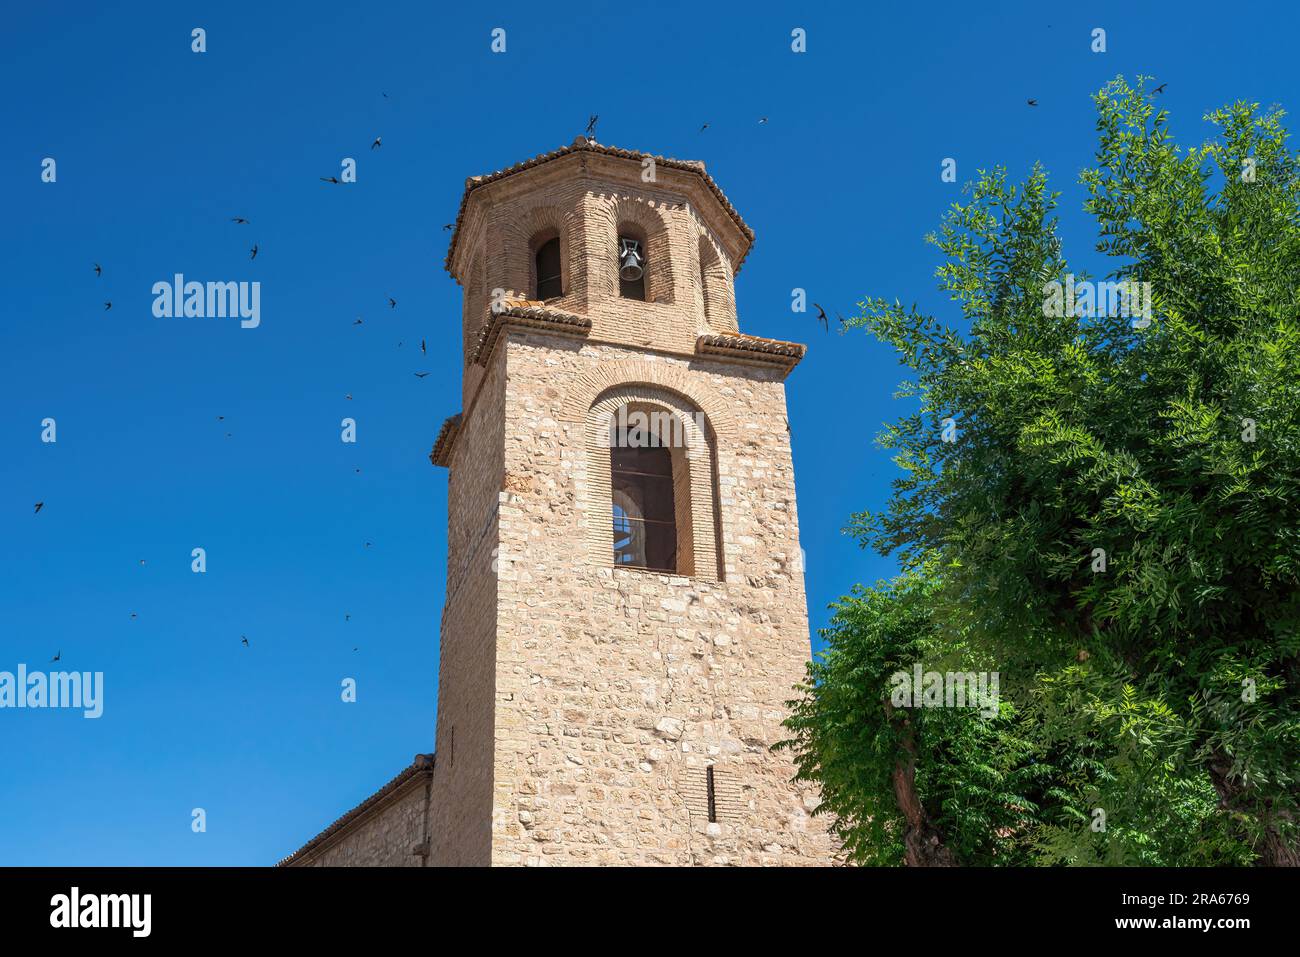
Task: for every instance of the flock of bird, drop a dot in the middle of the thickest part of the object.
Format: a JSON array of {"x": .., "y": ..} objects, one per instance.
[
  {"x": 377, "y": 143},
  {"x": 252, "y": 255}
]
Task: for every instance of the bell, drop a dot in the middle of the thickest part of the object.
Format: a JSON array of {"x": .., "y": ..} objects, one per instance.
[{"x": 630, "y": 261}]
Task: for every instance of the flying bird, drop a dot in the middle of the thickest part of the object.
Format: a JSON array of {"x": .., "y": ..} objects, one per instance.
[
  {"x": 108, "y": 306},
  {"x": 239, "y": 219},
  {"x": 221, "y": 418},
  {"x": 142, "y": 563},
  {"x": 367, "y": 544},
  {"x": 422, "y": 348},
  {"x": 392, "y": 303},
  {"x": 134, "y": 616},
  {"x": 1160, "y": 88},
  {"x": 421, "y": 375},
  {"x": 39, "y": 506},
  {"x": 762, "y": 120},
  {"x": 376, "y": 144},
  {"x": 1032, "y": 102},
  {"x": 821, "y": 317},
  {"x": 358, "y": 322},
  {"x": 330, "y": 179},
  {"x": 244, "y": 640},
  {"x": 448, "y": 226},
  {"x": 591, "y": 126},
  {"x": 56, "y": 657},
  {"x": 704, "y": 127},
  {"x": 98, "y": 270},
  {"x": 348, "y": 396},
  {"x": 347, "y": 617},
  {"x": 253, "y": 251}
]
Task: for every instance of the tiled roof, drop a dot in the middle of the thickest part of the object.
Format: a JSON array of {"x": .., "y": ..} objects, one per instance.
[
  {"x": 525, "y": 312},
  {"x": 738, "y": 345},
  {"x": 421, "y": 766},
  {"x": 518, "y": 313},
  {"x": 581, "y": 145},
  {"x": 441, "y": 453}
]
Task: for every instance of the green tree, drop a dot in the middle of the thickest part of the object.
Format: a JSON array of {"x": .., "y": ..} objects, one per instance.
[{"x": 1112, "y": 519}]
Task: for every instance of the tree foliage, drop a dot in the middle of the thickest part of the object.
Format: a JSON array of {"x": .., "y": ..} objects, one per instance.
[{"x": 1163, "y": 690}]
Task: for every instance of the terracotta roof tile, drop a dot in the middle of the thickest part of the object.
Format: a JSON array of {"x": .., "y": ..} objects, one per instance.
[
  {"x": 526, "y": 313},
  {"x": 739, "y": 345},
  {"x": 441, "y": 452},
  {"x": 422, "y": 765}
]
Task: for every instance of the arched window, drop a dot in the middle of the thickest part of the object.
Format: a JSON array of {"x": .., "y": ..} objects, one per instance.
[
  {"x": 547, "y": 271},
  {"x": 652, "y": 500},
  {"x": 632, "y": 266},
  {"x": 643, "y": 509}
]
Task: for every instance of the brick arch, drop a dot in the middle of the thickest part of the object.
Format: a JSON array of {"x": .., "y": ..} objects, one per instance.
[
  {"x": 518, "y": 233},
  {"x": 648, "y": 218},
  {"x": 717, "y": 294},
  {"x": 672, "y": 378},
  {"x": 695, "y": 482}
]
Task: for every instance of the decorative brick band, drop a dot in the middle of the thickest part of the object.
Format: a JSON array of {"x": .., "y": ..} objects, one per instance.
[
  {"x": 673, "y": 378},
  {"x": 417, "y": 772}
]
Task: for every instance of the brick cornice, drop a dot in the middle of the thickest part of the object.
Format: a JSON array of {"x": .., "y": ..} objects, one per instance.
[
  {"x": 526, "y": 314},
  {"x": 739, "y": 347}
]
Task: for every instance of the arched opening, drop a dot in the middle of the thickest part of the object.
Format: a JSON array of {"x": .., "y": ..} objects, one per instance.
[
  {"x": 548, "y": 282},
  {"x": 643, "y": 509},
  {"x": 633, "y": 263},
  {"x": 652, "y": 499}
]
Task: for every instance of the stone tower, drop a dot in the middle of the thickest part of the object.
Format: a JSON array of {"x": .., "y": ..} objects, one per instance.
[{"x": 625, "y": 613}]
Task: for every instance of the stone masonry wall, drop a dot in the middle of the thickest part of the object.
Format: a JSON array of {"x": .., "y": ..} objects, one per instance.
[
  {"x": 462, "y": 777},
  {"x": 617, "y": 687},
  {"x": 385, "y": 838}
]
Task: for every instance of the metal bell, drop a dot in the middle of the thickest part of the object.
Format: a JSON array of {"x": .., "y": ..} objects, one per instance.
[{"x": 630, "y": 261}]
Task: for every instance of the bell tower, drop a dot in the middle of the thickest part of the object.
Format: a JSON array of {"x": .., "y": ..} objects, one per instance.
[{"x": 625, "y": 613}]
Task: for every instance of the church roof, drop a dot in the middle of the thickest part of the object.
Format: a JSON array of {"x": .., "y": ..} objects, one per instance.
[
  {"x": 421, "y": 766},
  {"x": 581, "y": 145}
]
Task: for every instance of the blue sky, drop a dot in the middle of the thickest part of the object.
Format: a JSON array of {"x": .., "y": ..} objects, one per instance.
[{"x": 158, "y": 147}]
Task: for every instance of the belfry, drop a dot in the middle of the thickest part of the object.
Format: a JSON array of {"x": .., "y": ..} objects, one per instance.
[{"x": 625, "y": 614}]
